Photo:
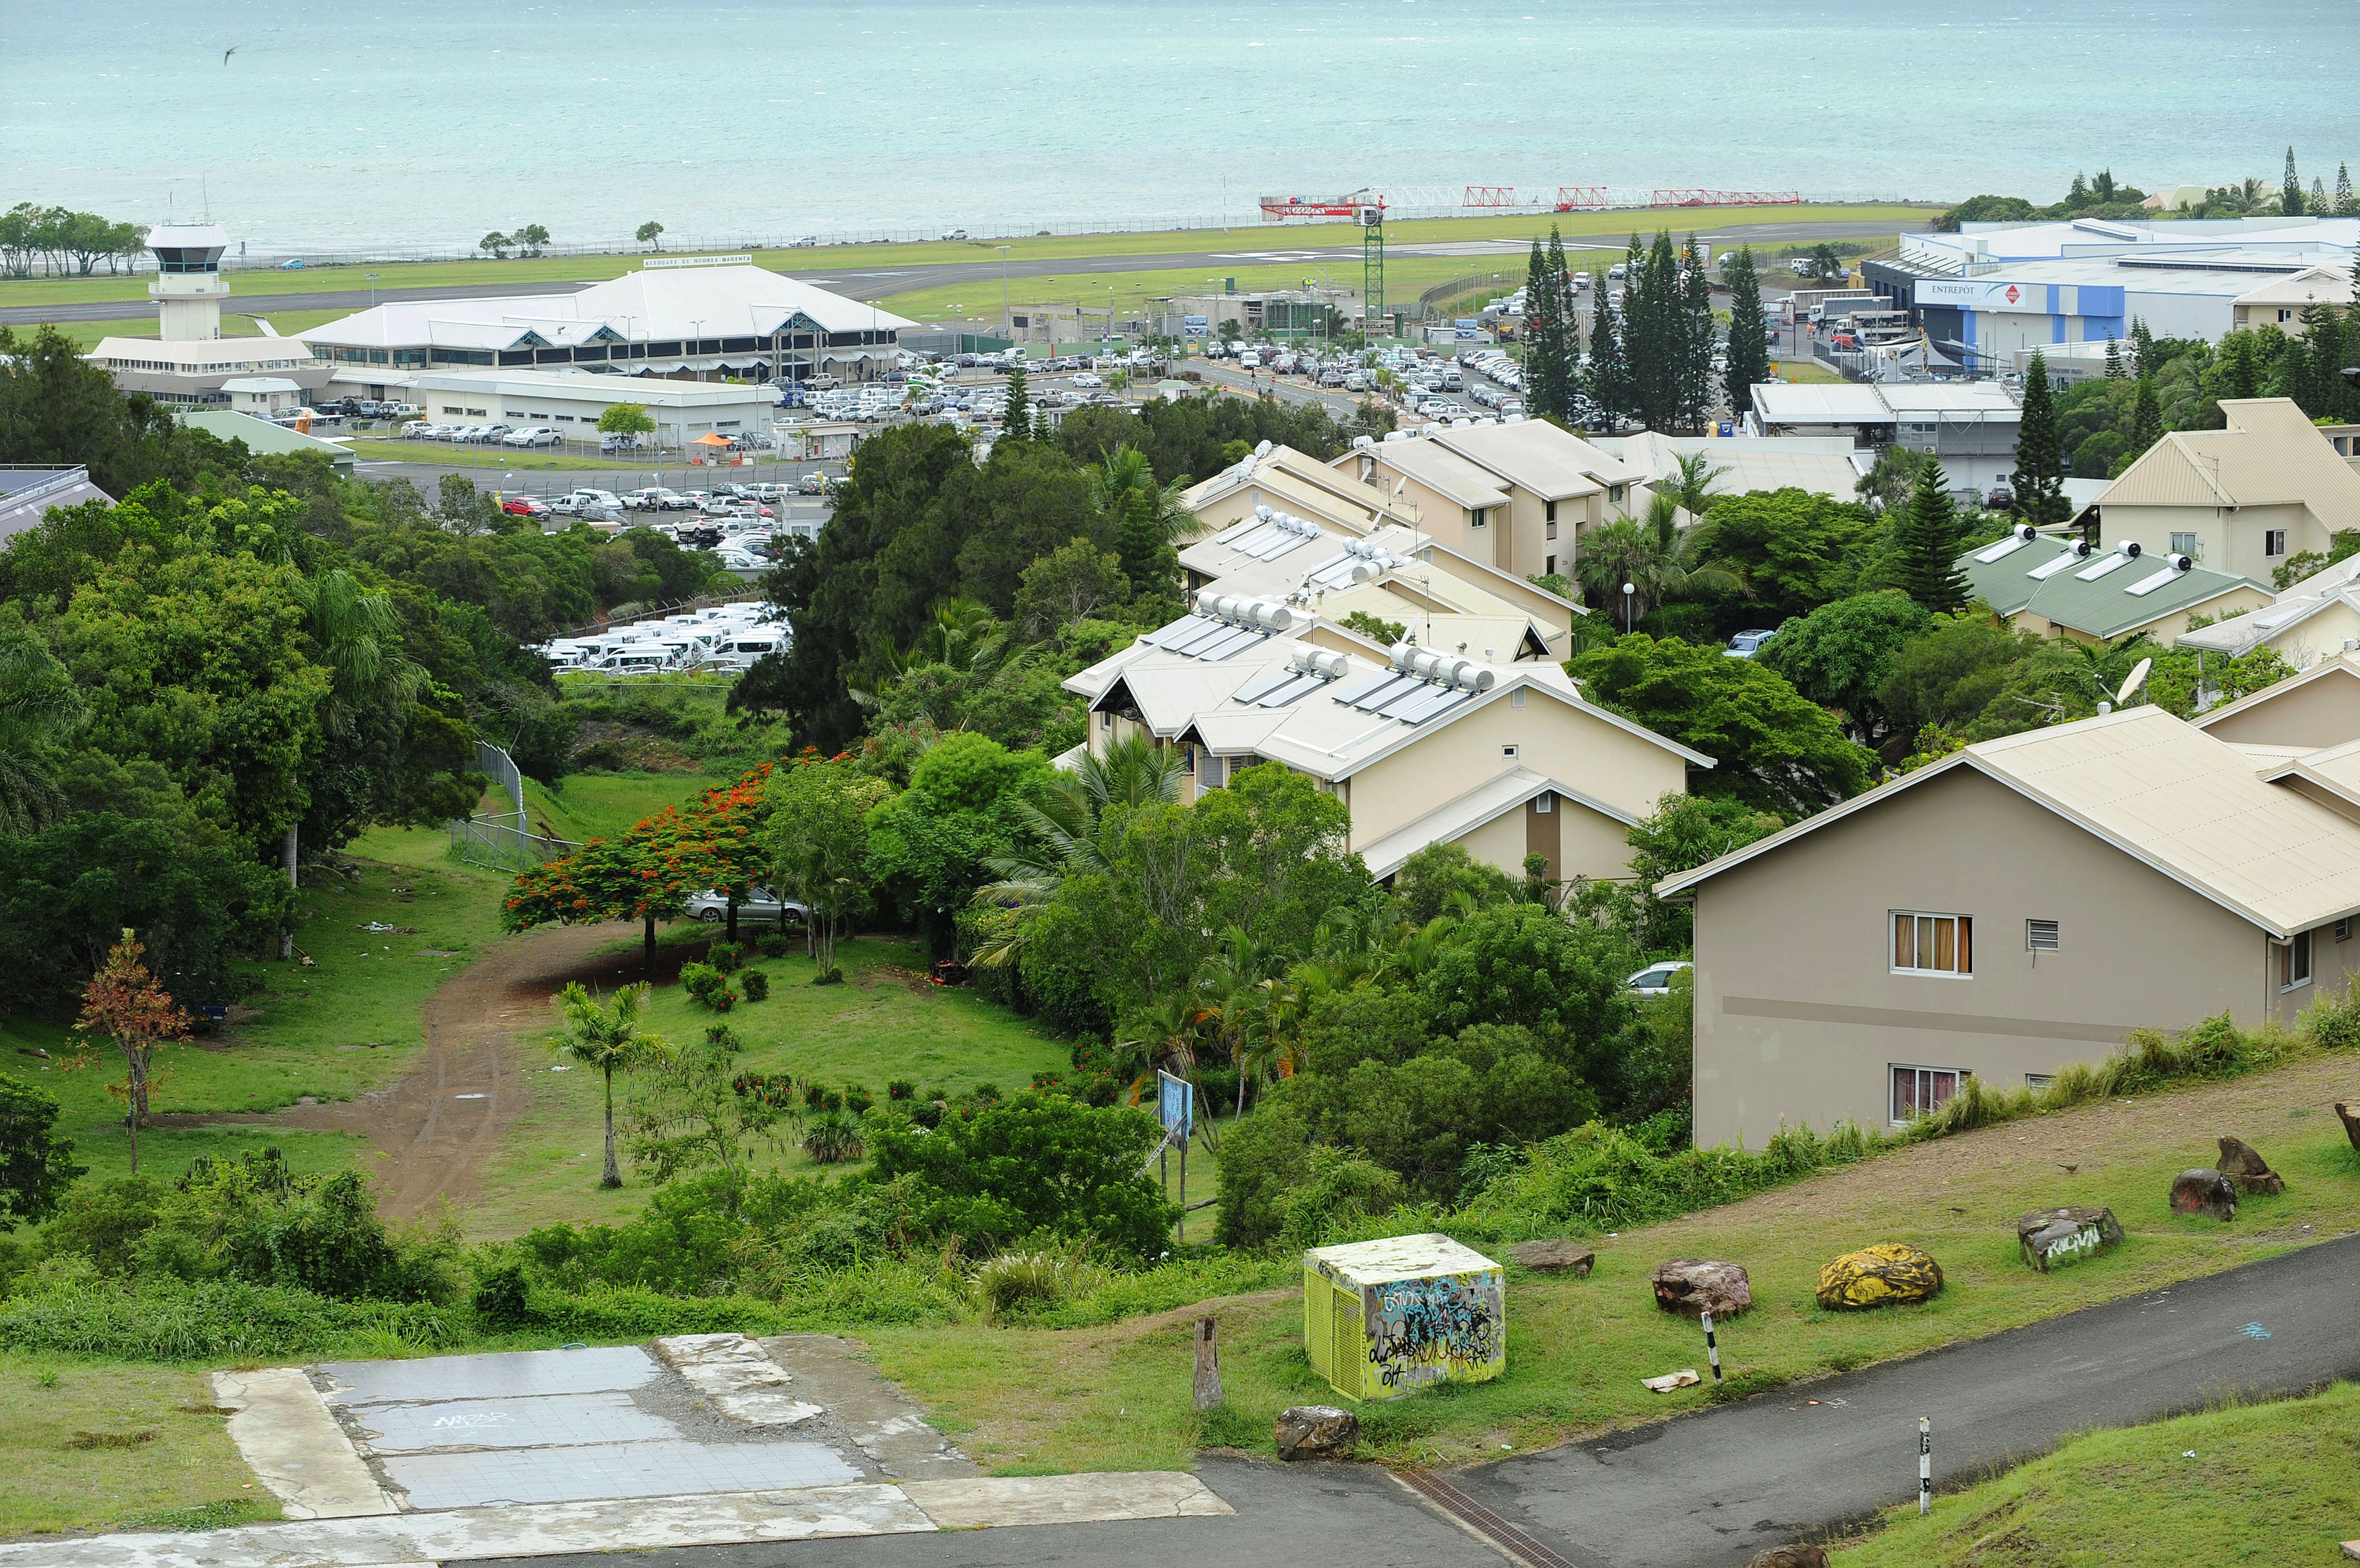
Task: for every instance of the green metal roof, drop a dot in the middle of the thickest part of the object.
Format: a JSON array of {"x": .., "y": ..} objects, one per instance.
[{"x": 2102, "y": 606}]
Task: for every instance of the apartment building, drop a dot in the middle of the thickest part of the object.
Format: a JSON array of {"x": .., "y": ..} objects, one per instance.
[{"x": 1515, "y": 497}]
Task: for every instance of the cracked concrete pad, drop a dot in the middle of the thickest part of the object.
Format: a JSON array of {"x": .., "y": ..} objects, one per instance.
[
  {"x": 884, "y": 1423},
  {"x": 736, "y": 1378},
  {"x": 513, "y": 1373},
  {"x": 474, "y": 1534},
  {"x": 580, "y": 1473},
  {"x": 543, "y": 1421},
  {"x": 286, "y": 1434},
  {"x": 992, "y": 1500}
]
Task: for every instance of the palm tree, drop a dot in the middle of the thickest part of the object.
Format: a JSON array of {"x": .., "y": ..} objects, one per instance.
[
  {"x": 1146, "y": 519},
  {"x": 39, "y": 709},
  {"x": 1692, "y": 480},
  {"x": 1660, "y": 561},
  {"x": 358, "y": 635},
  {"x": 1062, "y": 835},
  {"x": 611, "y": 1039}
]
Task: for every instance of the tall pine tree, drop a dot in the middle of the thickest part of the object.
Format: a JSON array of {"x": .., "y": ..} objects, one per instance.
[
  {"x": 2345, "y": 204},
  {"x": 1610, "y": 370},
  {"x": 1544, "y": 337},
  {"x": 2239, "y": 374},
  {"x": 1016, "y": 422},
  {"x": 2146, "y": 420},
  {"x": 2142, "y": 347},
  {"x": 1749, "y": 333},
  {"x": 1697, "y": 396},
  {"x": 2039, "y": 476},
  {"x": 1925, "y": 545},
  {"x": 2290, "y": 201},
  {"x": 2114, "y": 359}
]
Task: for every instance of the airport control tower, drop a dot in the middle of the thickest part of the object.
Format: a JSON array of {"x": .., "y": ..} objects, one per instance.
[{"x": 188, "y": 287}]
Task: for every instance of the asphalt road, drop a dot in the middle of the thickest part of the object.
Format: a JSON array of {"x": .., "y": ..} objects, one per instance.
[
  {"x": 1712, "y": 1489},
  {"x": 1243, "y": 247}
]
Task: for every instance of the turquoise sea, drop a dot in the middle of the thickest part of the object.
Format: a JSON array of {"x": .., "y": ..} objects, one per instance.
[{"x": 359, "y": 123}]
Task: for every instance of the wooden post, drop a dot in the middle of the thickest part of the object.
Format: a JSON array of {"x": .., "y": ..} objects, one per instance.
[
  {"x": 1208, "y": 1391},
  {"x": 1184, "y": 1199}
]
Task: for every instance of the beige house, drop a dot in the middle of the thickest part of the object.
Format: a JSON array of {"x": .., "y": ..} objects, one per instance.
[
  {"x": 2311, "y": 712},
  {"x": 1513, "y": 496},
  {"x": 2317, "y": 618},
  {"x": 2063, "y": 588},
  {"x": 2281, "y": 301},
  {"x": 1285, "y": 524},
  {"x": 1422, "y": 747},
  {"x": 2240, "y": 500},
  {"x": 2019, "y": 906}
]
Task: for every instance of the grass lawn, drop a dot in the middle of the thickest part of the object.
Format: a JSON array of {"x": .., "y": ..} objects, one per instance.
[
  {"x": 347, "y": 1024},
  {"x": 86, "y": 334},
  {"x": 476, "y": 459},
  {"x": 171, "y": 1466},
  {"x": 1577, "y": 1348},
  {"x": 592, "y": 268},
  {"x": 601, "y": 805},
  {"x": 2277, "y": 1483},
  {"x": 1802, "y": 371},
  {"x": 885, "y": 1022}
]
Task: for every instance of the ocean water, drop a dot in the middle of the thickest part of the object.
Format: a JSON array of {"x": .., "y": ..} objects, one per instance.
[{"x": 360, "y": 123}]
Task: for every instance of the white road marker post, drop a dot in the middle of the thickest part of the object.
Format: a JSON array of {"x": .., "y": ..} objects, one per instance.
[
  {"x": 1925, "y": 1467},
  {"x": 1711, "y": 1349}
]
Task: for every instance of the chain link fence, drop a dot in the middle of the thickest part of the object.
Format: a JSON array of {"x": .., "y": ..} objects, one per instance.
[{"x": 504, "y": 840}]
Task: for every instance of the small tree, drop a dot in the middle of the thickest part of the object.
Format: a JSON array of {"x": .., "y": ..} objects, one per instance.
[
  {"x": 1016, "y": 423},
  {"x": 532, "y": 237},
  {"x": 819, "y": 840},
  {"x": 36, "y": 1165},
  {"x": 1925, "y": 541},
  {"x": 610, "y": 1037},
  {"x": 650, "y": 235},
  {"x": 1827, "y": 264},
  {"x": 690, "y": 1117},
  {"x": 2039, "y": 476},
  {"x": 498, "y": 244},
  {"x": 627, "y": 419},
  {"x": 124, "y": 1003},
  {"x": 1748, "y": 333}
]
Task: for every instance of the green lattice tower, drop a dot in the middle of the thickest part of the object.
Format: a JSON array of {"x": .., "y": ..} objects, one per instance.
[{"x": 1372, "y": 270}]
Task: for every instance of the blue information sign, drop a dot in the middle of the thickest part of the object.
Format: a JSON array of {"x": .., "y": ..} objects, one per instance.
[{"x": 1176, "y": 1104}]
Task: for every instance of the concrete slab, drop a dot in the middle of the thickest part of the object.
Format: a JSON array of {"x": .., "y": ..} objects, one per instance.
[
  {"x": 996, "y": 1500},
  {"x": 880, "y": 1421},
  {"x": 582, "y": 1472},
  {"x": 287, "y": 1436},
  {"x": 503, "y": 1375},
  {"x": 473, "y": 1534},
  {"x": 735, "y": 1377},
  {"x": 549, "y": 1418}
]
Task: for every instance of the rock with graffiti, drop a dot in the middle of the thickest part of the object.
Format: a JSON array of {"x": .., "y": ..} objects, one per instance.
[{"x": 1383, "y": 1317}]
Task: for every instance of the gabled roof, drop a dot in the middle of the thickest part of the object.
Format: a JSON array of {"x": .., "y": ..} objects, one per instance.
[
  {"x": 2342, "y": 666},
  {"x": 2161, "y": 791},
  {"x": 2318, "y": 285},
  {"x": 1534, "y": 456},
  {"x": 2335, "y": 772},
  {"x": 2127, "y": 592},
  {"x": 1439, "y": 469},
  {"x": 1447, "y": 824},
  {"x": 2270, "y": 454}
]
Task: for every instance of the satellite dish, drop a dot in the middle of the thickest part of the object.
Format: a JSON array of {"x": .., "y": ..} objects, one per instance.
[{"x": 2131, "y": 682}]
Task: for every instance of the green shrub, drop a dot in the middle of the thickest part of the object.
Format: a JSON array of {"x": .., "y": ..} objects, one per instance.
[
  {"x": 1014, "y": 1282},
  {"x": 723, "y": 1039},
  {"x": 707, "y": 986},
  {"x": 831, "y": 975},
  {"x": 500, "y": 1298},
  {"x": 729, "y": 957},
  {"x": 901, "y": 1089},
  {"x": 832, "y": 1137},
  {"x": 165, "y": 1319},
  {"x": 756, "y": 984},
  {"x": 858, "y": 1099}
]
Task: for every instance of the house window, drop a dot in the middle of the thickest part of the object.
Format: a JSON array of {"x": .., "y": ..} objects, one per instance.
[
  {"x": 1516, "y": 700},
  {"x": 1550, "y": 528},
  {"x": 2294, "y": 962},
  {"x": 1548, "y": 566},
  {"x": 1932, "y": 945},
  {"x": 1543, "y": 803},
  {"x": 1187, "y": 759},
  {"x": 2344, "y": 929},
  {"x": 2042, "y": 936},
  {"x": 1919, "y": 1091},
  {"x": 1475, "y": 517},
  {"x": 1550, "y": 512},
  {"x": 2183, "y": 544},
  {"x": 1507, "y": 751},
  {"x": 2035, "y": 1082},
  {"x": 2274, "y": 541},
  {"x": 1106, "y": 720}
]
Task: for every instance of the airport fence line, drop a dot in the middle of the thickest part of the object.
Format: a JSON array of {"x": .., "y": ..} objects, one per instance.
[{"x": 505, "y": 841}]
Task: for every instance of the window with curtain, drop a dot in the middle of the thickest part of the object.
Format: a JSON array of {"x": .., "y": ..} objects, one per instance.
[{"x": 1932, "y": 945}]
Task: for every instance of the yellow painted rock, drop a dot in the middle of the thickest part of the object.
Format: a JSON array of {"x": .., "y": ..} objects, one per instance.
[{"x": 1887, "y": 1274}]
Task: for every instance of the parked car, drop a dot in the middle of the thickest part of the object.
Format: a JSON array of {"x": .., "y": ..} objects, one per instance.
[
  {"x": 415, "y": 429},
  {"x": 524, "y": 507},
  {"x": 539, "y": 435},
  {"x": 954, "y": 233},
  {"x": 611, "y": 442},
  {"x": 759, "y": 904},
  {"x": 1089, "y": 378},
  {"x": 813, "y": 485},
  {"x": 1653, "y": 981},
  {"x": 1745, "y": 645},
  {"x": 293, "y": 264}
]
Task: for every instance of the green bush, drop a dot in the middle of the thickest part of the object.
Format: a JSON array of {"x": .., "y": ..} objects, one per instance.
[
  {"x": 756, "y": 984},
  {"x": 725, "y": 956},
  {"x": 166, "y": 1318},
  {"x": 500, "y": 1299},
  {"x": 707, "y": 986},
  {"x": 1015, "y": 1282},
  {"x": 832, "y": 1137}
]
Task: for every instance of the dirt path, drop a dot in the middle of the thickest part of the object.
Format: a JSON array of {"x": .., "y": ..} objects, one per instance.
[{"x": 472, "y": 1083}]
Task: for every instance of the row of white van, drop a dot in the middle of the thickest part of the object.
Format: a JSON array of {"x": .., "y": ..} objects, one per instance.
[{"x": 726, "y": 639}]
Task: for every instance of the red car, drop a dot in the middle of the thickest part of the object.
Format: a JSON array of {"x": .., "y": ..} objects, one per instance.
[{"x": 524, "y": 507}]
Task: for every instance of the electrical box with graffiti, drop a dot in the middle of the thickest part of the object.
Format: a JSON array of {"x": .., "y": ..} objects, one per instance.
[{"x": 1382, "y": 1317}]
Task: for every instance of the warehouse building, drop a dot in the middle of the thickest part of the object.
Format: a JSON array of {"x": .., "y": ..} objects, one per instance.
[{"x": 570, "y": 402}]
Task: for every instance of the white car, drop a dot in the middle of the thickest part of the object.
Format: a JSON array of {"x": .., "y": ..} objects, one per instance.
[
  {"x": 1089, "y": 378},
  {"x": 1657, "y": 979},
  {"x": 539, "y": 435},
  {"x": 759, "y": 904}
]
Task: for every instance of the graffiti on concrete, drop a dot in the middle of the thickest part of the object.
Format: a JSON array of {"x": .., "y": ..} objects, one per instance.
[{"x": 1423, "y": 1331}]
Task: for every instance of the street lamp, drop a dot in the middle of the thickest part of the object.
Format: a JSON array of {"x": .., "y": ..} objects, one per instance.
[
  {"x": 1003, "y": 251},
  {"x": 372, "y": 283},
  {"x": 1628, "y": 590}
]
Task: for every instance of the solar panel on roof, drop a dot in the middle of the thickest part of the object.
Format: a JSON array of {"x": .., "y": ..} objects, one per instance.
[
  {"x": 1237, "y": 641},
  {"x": 1292, "y": 690},
  {"x": 1179, "y": 630},
  {"x": 1443, "y": 698},
  {"x": 2111, "y": 563},
  {"x": 1392, "y": 706},
  {"x": 1377, "y": 696},
  {"x": 2146, "y": 585},
  {"x": 2051, "y": 568},
  {"x": 1211, "y": 632},
  {"x": 1351, "y": 691},
  {"x": 1263, "y": 685}
]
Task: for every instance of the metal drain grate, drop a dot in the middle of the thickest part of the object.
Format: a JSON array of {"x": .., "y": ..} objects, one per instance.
[{"x": 1510, "y": 1540}]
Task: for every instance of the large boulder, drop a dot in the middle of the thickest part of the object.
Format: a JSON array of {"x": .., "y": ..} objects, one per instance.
[
  {"x": 2350, "y": 1112},
  {"x": 1554, "y": 1256},
  {"x": 1693, "y": 1287},
  {"x": 2248, "y": 1169},
  {"x": 1315, "y": 1431},
  {"x": 2053, "y": 1237},
  {"x": 1797, "y": 1556},
  {"x": 1890, "y": 1274},
  {"x": 2206, "y": 1192}
]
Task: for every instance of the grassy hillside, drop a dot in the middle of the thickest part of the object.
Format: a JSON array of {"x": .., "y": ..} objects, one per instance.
[{"x": 2273, "y": 1483}]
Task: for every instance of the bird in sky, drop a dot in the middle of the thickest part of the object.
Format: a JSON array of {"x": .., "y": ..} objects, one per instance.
[{"x": 229, "y": 51}]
